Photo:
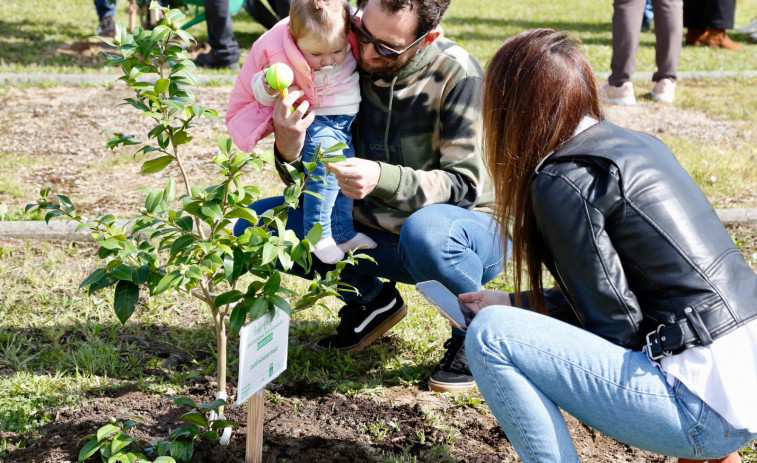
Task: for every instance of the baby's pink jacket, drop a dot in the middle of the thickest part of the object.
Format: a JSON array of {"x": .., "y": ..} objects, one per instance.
[{"x": 247, "y": 120}]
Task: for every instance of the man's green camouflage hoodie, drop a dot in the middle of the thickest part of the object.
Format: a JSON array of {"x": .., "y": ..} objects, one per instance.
[{"x": 423, "y": 126}]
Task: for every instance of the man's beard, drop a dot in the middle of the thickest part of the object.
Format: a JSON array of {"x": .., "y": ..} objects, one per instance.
[{"x": 383, "y": 68}]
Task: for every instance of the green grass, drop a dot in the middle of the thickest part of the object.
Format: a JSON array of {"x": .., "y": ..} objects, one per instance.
[{"x": 35, "y": 31}]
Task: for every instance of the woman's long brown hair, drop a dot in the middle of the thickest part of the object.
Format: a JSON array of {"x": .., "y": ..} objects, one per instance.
[{"x": 537, "y": 88}]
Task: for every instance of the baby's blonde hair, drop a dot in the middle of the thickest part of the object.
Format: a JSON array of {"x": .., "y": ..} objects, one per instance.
[{"x": 326, "y": 20}]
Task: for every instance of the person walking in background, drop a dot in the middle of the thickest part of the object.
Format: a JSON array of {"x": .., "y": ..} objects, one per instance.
[
  {"x": 224, "y": 51},
  {"x": 706, "y": 22},
  {"x": 626, "y": 30},
  {"x": 646, "y": 20},
  {"x": 106, "y": 11},
  {"x": 655, "y": 341}
]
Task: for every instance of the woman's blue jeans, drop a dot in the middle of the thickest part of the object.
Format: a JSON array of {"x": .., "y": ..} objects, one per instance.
[
  {"x": 527, "y": 365},
  {"x": 455, "y": 246},
  {"x": 332, "y": 210}
]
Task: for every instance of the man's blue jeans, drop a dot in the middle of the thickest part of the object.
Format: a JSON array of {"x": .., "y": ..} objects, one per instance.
[
  {"x": 334, "y": 211},
  {"x": 105, "y": 8},
  {"x": 456, "y": 246},
  {"x": 526, "y": 365}
]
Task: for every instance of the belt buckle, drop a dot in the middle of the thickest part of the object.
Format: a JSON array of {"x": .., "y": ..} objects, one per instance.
[{"x": 663, "y": 353}]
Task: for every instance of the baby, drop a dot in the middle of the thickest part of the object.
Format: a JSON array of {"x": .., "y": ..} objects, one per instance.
[{"x": 313, "y": 42}]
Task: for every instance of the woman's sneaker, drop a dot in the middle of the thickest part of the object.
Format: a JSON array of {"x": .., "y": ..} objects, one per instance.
[
  {"x": 452, "y": 374},
  {"x": 361, "y": 324}
]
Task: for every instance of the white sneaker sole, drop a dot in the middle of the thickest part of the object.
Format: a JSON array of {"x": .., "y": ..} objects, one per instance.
[{"x": 627, "y": 101}]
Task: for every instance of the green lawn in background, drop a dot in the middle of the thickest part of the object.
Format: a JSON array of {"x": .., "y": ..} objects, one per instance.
[{"x": 34, "y": 29}]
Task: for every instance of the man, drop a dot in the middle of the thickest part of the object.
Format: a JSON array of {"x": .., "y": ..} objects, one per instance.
[
  {"x": 224, "y": 51},
  {"x": 416, "y": 179}
]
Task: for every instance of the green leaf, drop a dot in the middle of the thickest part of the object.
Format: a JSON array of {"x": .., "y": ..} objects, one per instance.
[
  {"x": 242, "y": 213},
  {"x": 164, "y": 459},
  {"x": 185, "y": 401},
  {"x": 225, "y": 145},
  {"x": 181, "y": 137},
  {"x": 194, "y": 417},
  {"x": 169, "y": 192},
  {"x": 210, "y": 435},
  {"x": 161, "y": 85},
  {"x": 269, "y": 253},
  {"x": 181, "y": 243},
  {"x": 273, "y": 284},
  {"x": 314, "y": 235},
  {"x": 237, "y": 318},
  {"x": 153, "y": 200},
  {"x": 337, "y": 147},
  {"x": 259, "y": 307},
  {"x": 89, "y": 449},
  {"x": 66, "y": 203},
  {"x": 168, "y": 281},
  {"x": 220, "y": 424},
  {"x": 155, "y": 131},
  {"x": 119, "y": 442},
  {"x": 213, "y": 405},
  {"x": 227, "y": 297},
  {"x": 106, "y": 431},
  {"x": 185, "y": 223},
  {"x": 94, "y": 277},
  {"x": 282, "y": 304},
  {"x": 181, "y": 449},
  {"x": 212, "y": 211},
  {"x": 122, "y": 272},
  {"x": 333, "y": 158},
  {"x": 125, "y": 299},
  {"x": 157, "y": 164}
]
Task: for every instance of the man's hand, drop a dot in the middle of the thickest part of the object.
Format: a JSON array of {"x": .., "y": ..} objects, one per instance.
[
  {"x": 479, "y": 299},
  {"x": 289, "y": 126},
  {"x": 357, "y": 177}
]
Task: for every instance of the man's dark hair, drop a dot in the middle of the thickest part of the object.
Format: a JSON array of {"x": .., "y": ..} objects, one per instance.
[{"x": 430, "y": 12}]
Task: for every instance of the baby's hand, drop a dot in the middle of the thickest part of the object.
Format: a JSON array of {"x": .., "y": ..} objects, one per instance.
[{"x": 270, "y": 90}]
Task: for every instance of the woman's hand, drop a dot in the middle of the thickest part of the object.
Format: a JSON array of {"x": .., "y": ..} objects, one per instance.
[
  {"x": 289, "y": 126},
  {"x": 479, "y": 299}
]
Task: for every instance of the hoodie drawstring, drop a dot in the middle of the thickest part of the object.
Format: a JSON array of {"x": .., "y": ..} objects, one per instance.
[{"x": 389, "y": 117}]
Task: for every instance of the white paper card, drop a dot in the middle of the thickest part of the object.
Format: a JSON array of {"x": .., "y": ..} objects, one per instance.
[{"x": 262, "y": 353}]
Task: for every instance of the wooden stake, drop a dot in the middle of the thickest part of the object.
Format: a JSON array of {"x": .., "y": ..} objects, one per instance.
[{"x": 254, "y": 451}]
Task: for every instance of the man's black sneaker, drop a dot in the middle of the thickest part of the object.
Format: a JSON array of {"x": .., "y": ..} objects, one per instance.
[
  {"x": 209, "y": 60},
  {"x": 360, "y": 324},
  {"x": 452, "y": 373}
]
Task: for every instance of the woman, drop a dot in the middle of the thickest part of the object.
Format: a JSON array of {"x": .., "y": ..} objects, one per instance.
[{"x": 664, "y": 355}]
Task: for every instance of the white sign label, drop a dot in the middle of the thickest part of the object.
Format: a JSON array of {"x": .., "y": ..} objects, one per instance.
[{"x": 262, "y": 353}]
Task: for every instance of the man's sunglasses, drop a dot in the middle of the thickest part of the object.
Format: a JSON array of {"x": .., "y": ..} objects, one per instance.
[{"x": 364, "y": 36}]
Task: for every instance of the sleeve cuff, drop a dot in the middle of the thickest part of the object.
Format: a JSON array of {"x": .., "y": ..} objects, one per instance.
[{"x": 389, "y": 181}]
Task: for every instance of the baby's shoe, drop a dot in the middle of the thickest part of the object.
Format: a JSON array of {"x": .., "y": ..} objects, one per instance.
[
  {"x": 327, "y": 251},
  {"x": 359, "y": 241}
]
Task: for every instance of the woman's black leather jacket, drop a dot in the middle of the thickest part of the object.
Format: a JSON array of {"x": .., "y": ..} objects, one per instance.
[{"x": 638, "y": 252}]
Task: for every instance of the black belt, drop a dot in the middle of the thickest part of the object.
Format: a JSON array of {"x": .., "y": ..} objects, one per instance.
[{"x": 671, "y": 339}]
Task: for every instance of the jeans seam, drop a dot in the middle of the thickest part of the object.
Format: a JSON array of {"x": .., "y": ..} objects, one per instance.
[
  {"x": 503, "y": 399},
  {"x": 588, "y": 372}
]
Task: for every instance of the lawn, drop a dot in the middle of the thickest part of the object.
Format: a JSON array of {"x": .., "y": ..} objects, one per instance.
[{"x": 64, "y": 354}]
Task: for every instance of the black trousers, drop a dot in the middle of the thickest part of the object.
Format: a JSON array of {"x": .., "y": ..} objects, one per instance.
[
  {"x": 220, "y": 33},
  {"x": 718, "y": 14}
]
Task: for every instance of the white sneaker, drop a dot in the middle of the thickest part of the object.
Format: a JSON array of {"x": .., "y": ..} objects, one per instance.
[
  {"x": 664, "y": 90},
  {"x": 622, "y": 95}
]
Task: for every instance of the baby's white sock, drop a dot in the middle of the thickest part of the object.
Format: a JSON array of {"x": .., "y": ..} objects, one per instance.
[
  {"x": 327, "y": 251},
  {"x": 359, "y": 241}
]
